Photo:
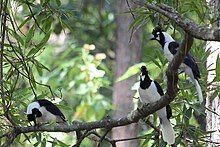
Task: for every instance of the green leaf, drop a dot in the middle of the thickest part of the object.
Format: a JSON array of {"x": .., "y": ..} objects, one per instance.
[
  {"x": 217, "y": 70},
  {"x": 58, "y": 2},
  {"x": 62, "y": 144},
  {"x": 38, "y": 137},
  {"x": 39, "y": 46},
  {"x": 39, "y": 66},
  {"x": 146, "y": 141},
  {"x": 47, "y": 22},
  {"x": 18, "y": 37},
  {"x": 43, "y": 143},
  {"x": 155, "y": 62},
  {"x": 187, "y": 115},
  {"x": 131, "y": 71},
  {"x": 29, "y": 35},
  {"x": 64, "y": 107},
  {"x": 32, "y": 79},
  {"x": 24, "y": 22},
  {"x": 27, "y": 138},
  {"x": 214, "y": 95},
  {"x": 137, "y": 21}
]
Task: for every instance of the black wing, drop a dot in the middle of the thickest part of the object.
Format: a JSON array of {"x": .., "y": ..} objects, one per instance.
[
  {"x": 168, "y": 108},
  {"x": 159, "y": 89},
  {"x": 51, "y": 108},
  {"x": 189, "y": 60}
]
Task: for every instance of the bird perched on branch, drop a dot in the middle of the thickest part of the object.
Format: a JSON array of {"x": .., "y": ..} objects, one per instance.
[
  {"x": 44, "y": 111},
  {"x": 189, "y": 65},
  {"x": 150, "y": 91}
]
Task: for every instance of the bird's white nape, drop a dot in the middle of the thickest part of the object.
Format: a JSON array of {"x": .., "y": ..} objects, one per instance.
[
  {"x": 167, "y": 37},
  {"x": 32, "y": 106}
]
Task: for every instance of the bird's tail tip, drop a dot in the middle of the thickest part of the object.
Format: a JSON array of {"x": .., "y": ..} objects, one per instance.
[
  {"x": 199, "y": 92},
  {"x": 168, "y": 133}
]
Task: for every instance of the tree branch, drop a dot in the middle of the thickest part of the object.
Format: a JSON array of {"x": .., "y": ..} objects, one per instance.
[
  {"x": 134, "y": 116},
  {"x": 3, "y": 31},
  {"x": 189, "y": 26}
]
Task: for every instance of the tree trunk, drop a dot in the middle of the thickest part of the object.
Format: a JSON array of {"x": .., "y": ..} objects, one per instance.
[
  {"x": 127, "y": 54},
  {"x": 213, "y": 120}
]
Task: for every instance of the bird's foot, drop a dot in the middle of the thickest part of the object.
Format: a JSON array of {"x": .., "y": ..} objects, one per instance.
[{"x": 140, "y": 111}]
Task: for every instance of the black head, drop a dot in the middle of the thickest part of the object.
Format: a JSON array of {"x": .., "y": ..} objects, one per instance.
[
  {"x": 157, "y": 34},
  {"x": 145, "y": 80},
  {"x": 144, "y": 73},
  {"x": 36, "y": 112},
  {"x": 31, "y": 117},
  {"x": 144, "y": 70}
]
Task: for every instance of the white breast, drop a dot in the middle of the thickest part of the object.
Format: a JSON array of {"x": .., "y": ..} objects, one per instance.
[
  {"x": 167, "y": 52},
  {"x": 46, "y": 116},
  {"x": 149, "y": 95}
]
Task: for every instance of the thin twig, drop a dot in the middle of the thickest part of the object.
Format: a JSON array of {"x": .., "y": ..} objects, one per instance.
[
  {"x": 26, "y": 76},
  {"x": 111, "y": 141},
  {"x": 34, "y": 17},
  {"x": 103, "y": 136},
  {"x": 130, "y": 9},
  {"x": 3, "y": 31},
  {"x": 24, "y": 63},
  {"x": 79, "y": 141},
  {"x": 151, "y": 125},
  {"x": 22, "y": 58},
  {"x": 132, "y": 138},
  {"x": 133, "y": 16},
  {"x": 189, "y": 26}
]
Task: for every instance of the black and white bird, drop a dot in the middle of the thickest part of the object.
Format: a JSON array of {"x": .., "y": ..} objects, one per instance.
[
  {"x": 150, "y": 91},
  {"x": 44, "y": 111},
  {"x": 189, "y": 65}
]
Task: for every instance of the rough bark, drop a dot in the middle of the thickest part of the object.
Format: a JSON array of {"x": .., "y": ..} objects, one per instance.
[
  {"x": 189, "y": 26},
  {"x": 127, "y": 54},
  {"x": 213, "y": 120}
]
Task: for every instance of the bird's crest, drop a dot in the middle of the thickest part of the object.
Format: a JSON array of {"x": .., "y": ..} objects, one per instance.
[
  {"x": 144, "y": 70},
  {"x": 157, "y": 29}
]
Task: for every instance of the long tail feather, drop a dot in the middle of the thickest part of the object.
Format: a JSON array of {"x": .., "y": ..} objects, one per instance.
[
  {"x": 167, "y": 131},
  {"x": 199, "y": 91}
]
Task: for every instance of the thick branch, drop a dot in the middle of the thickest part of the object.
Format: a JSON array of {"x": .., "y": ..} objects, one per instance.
[
  {"x": 189, "y": 26},
  {"x": 134, "y": 116}
]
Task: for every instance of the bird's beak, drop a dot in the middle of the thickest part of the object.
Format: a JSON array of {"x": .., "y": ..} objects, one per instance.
[
  {"x": 152, "y": 37},
  {"x": 140, "y": 74}
]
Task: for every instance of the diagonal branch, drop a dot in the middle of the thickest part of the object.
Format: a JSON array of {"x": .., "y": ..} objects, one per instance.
[
  {"x": 189, "y": 26},
  {"x": 133, "y": 117}
]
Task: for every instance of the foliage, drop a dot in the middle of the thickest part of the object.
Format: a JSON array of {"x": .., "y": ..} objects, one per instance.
[
  {"x": 36, "y": 66},
  {"x": 63, "y": 50},
  {"x": 185, "y": 108}
]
